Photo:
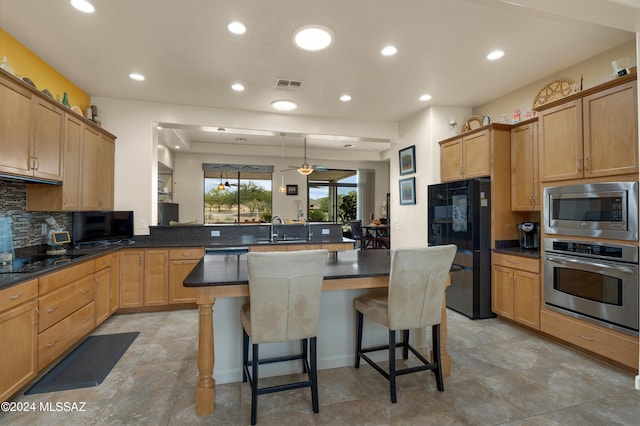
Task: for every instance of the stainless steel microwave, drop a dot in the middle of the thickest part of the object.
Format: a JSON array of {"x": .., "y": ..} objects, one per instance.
[{"x": 600, "y": 210}]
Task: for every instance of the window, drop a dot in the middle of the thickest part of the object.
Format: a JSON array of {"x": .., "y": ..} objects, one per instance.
[
  {"x": 244, "y": 194},
  {"x": 333, "y": 195}
]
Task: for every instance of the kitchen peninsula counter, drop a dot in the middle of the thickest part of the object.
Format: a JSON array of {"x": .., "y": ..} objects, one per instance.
[{"x": 227, "y": 276}]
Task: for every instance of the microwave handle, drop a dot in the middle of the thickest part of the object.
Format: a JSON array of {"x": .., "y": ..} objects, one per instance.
[{"x": 599, "y": 265}]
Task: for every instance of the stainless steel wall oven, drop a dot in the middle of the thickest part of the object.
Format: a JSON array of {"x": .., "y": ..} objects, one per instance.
[{"x": 594, "y": 281}]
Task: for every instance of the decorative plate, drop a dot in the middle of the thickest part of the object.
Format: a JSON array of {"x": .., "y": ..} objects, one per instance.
[
  {"x": 472, "y": 122},
  {"x": 76, "y": 109},
  {"x": 48, "y": 93},
  {"x": 554, "y": 90},
  {"x": 29, "y": 82}
]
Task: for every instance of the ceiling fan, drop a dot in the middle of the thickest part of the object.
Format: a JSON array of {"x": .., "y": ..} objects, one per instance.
[{"x": 306, "y": 169}]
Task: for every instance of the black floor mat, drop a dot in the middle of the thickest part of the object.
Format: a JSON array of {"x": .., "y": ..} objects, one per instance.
[{"x": 87, "y": 365}]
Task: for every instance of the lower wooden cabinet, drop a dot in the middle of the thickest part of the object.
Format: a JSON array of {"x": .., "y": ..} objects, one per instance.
[
  {"x": 611, "y": 344},
  {"x": 181, "y": 262},
  {"x": 131, "y": 278},
  {"x": 515, "y": 288},
  {"x": 19, "y": 348},
  {"x": 64, "y": 334},
  {"x": 156, "y": 277}
]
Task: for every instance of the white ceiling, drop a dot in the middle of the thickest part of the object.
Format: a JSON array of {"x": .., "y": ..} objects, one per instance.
[{"x": 188, "y": 56}]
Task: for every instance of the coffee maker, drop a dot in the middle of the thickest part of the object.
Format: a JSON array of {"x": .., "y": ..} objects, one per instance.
[{"x": 529, "y": 233}]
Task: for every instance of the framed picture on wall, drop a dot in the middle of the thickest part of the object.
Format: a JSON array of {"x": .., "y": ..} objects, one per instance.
[
  {"x": 292, "y": 189},
  {"x": 408, "y": 160},
  {"x": 408, "y": 191}
]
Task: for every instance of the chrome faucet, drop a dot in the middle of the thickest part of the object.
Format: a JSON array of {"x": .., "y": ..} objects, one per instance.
[{"x": 273, "y": 219}]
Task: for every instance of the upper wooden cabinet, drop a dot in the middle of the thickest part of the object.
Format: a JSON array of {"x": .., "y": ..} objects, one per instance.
[
  {"x": 525, "y": 182},
  {"x": 31, "y": 133},
  {"x": 466, "y": 157},
  {"x": 590, "y": 134},
  {"x": 88, "y": 173}
]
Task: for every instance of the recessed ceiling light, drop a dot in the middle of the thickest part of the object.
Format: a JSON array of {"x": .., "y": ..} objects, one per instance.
[
  {"x": 284, "y": 105},
  {"x": 389, "y": 51},
  {"x": 237, "y": 27},
  {"x": 425, "y": 97},
  {"x": 83, "y": 6},
  {"x": 312, "y": 37},
  {"x": 238, "y": 87},
  {"x": 496, "y": 54},
  {"x": 136, "y": 76},
  {"x": 177, "y": 146},
  {"x": 345, "y": 98}
]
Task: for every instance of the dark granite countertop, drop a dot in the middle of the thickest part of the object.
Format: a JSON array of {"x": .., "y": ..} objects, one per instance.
[
  {"x": 232, "y": 269},
  {"x": 517, "y": 251}
]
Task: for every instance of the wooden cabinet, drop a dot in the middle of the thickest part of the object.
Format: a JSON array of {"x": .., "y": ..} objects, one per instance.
[
  {"x": 591, "y": 136},
  {"x": 298, "y": 246},
  {"x": 466, "y": 157},
  {"x": 131, "y": 278},
  {"x": 87, "y": 182},
  {"x": 156, "y": 277},
  {"x": 144, "y": 278},
  {"x": 515, "y": 288},
  {"x": 19, "y": 331},
  {"x": 181, "y": 262},
  {"x": 66, "y": 310},
  {"x": 31, "y": 133},
  {"x": 106, "y": 287},
  {"x": 608, "y": 343},
  {"x": 525, "y": 182}
]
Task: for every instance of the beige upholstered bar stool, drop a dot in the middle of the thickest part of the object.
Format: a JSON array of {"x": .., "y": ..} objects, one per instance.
[
  {"x": 284, "y": 303},
  {"x": 417, "y": 283}
]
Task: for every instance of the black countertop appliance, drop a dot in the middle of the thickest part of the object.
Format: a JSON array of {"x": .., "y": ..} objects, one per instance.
[
  {"x": 167, "y": 213},
  {"x": 529, "y": 233},
  {"x": 460, "y": 214}
]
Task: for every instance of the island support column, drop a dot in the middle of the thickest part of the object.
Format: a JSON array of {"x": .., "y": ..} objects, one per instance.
[{"x": 206, "y": 388}]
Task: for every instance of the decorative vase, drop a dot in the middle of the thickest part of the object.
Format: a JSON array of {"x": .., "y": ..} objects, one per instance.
[{"x": 65, "y": 100}]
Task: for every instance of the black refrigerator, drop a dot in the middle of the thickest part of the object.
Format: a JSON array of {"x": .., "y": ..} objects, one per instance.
[
  {"x": 460, "y": 214},
  {"x": 167, "y": 213}
]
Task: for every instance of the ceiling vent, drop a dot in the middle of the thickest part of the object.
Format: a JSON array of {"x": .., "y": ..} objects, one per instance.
[{"x": 285, "y": 83}]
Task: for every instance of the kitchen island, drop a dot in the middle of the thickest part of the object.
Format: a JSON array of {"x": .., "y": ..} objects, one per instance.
[{"x": 226, "y": 276}]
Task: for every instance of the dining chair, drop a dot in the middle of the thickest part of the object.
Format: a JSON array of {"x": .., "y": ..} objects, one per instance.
[
  {"x": 284, "y": 304},
  {"x": 417, "y": 281},
  {"x": 364, "y": 240}
]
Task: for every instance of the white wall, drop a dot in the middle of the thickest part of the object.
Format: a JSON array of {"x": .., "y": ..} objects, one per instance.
[
  {"x": 136, "y": 157},
  {"x": 424, "y": 130}
]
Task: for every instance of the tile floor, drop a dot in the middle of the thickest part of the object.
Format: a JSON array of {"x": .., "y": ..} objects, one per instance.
[{"x": 502, "y": 374}]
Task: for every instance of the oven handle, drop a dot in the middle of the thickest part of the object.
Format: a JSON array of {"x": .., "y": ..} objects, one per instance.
[{"x": 600, "y": 265}]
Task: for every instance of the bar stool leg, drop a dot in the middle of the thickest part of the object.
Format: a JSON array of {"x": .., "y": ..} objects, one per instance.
[
  {"x": 435, "y": 336},
  {"x": 392, "y": 365},
  {"x": 254, "y": 386},
  {"x": 359, "y": 320},
  {"x": 314, "y": 375}
]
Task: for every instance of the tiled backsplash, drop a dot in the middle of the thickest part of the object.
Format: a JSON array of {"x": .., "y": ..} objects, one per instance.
[{"x": 26, "y": 226}]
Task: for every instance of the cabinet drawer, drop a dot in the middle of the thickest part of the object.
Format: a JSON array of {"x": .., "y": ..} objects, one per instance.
[
  {"x": 57, "y": 339},
  {"x": 186, "y": 253},
  {"x": 608, "y": 343},
  {"x": 517, "y": 262},
  {"x": 104, "y": 261},
  {"x": 60, "y": 303},
  {"x": 13, "y": 296},
  {"x": 65, "y": 276}
]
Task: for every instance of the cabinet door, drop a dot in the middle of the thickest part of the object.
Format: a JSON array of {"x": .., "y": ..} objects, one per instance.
[
  {"x": 156, "y": 277},
  {"x": 15, "y": 129},
  {"x": 560, "y": 142},
  {"x": 19, "y": 348},
  {"x": 178, "y": 271},
  {"x": 71, "y": 198},
  {"x": 131, "y": 278},
  {"x": 476, "y": 152},
  {"x": 103, "y": 296},
  {"x": 524, "y": 180},
  {"x": 105, "y": 177},
  {"x": 611, "y": 131},
  {"x": 48, "y": 136},
  {"x": 502, "y": 291},
  {"x": 90, "y": 168},
  {"x": 526, "y": 299},
  {"x": 451, "y": 160}
]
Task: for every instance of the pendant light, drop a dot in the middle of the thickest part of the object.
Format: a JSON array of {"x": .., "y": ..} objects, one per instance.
[
  {"x": 283, "y": 188},
  {"x": 305, "y": 169}
]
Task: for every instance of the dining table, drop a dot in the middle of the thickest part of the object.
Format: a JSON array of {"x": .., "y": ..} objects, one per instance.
[{"x": 225, "y": 276}]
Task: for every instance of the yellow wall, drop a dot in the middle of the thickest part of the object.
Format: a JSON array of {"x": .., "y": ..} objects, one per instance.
[{"x": 26, "y": 64}]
